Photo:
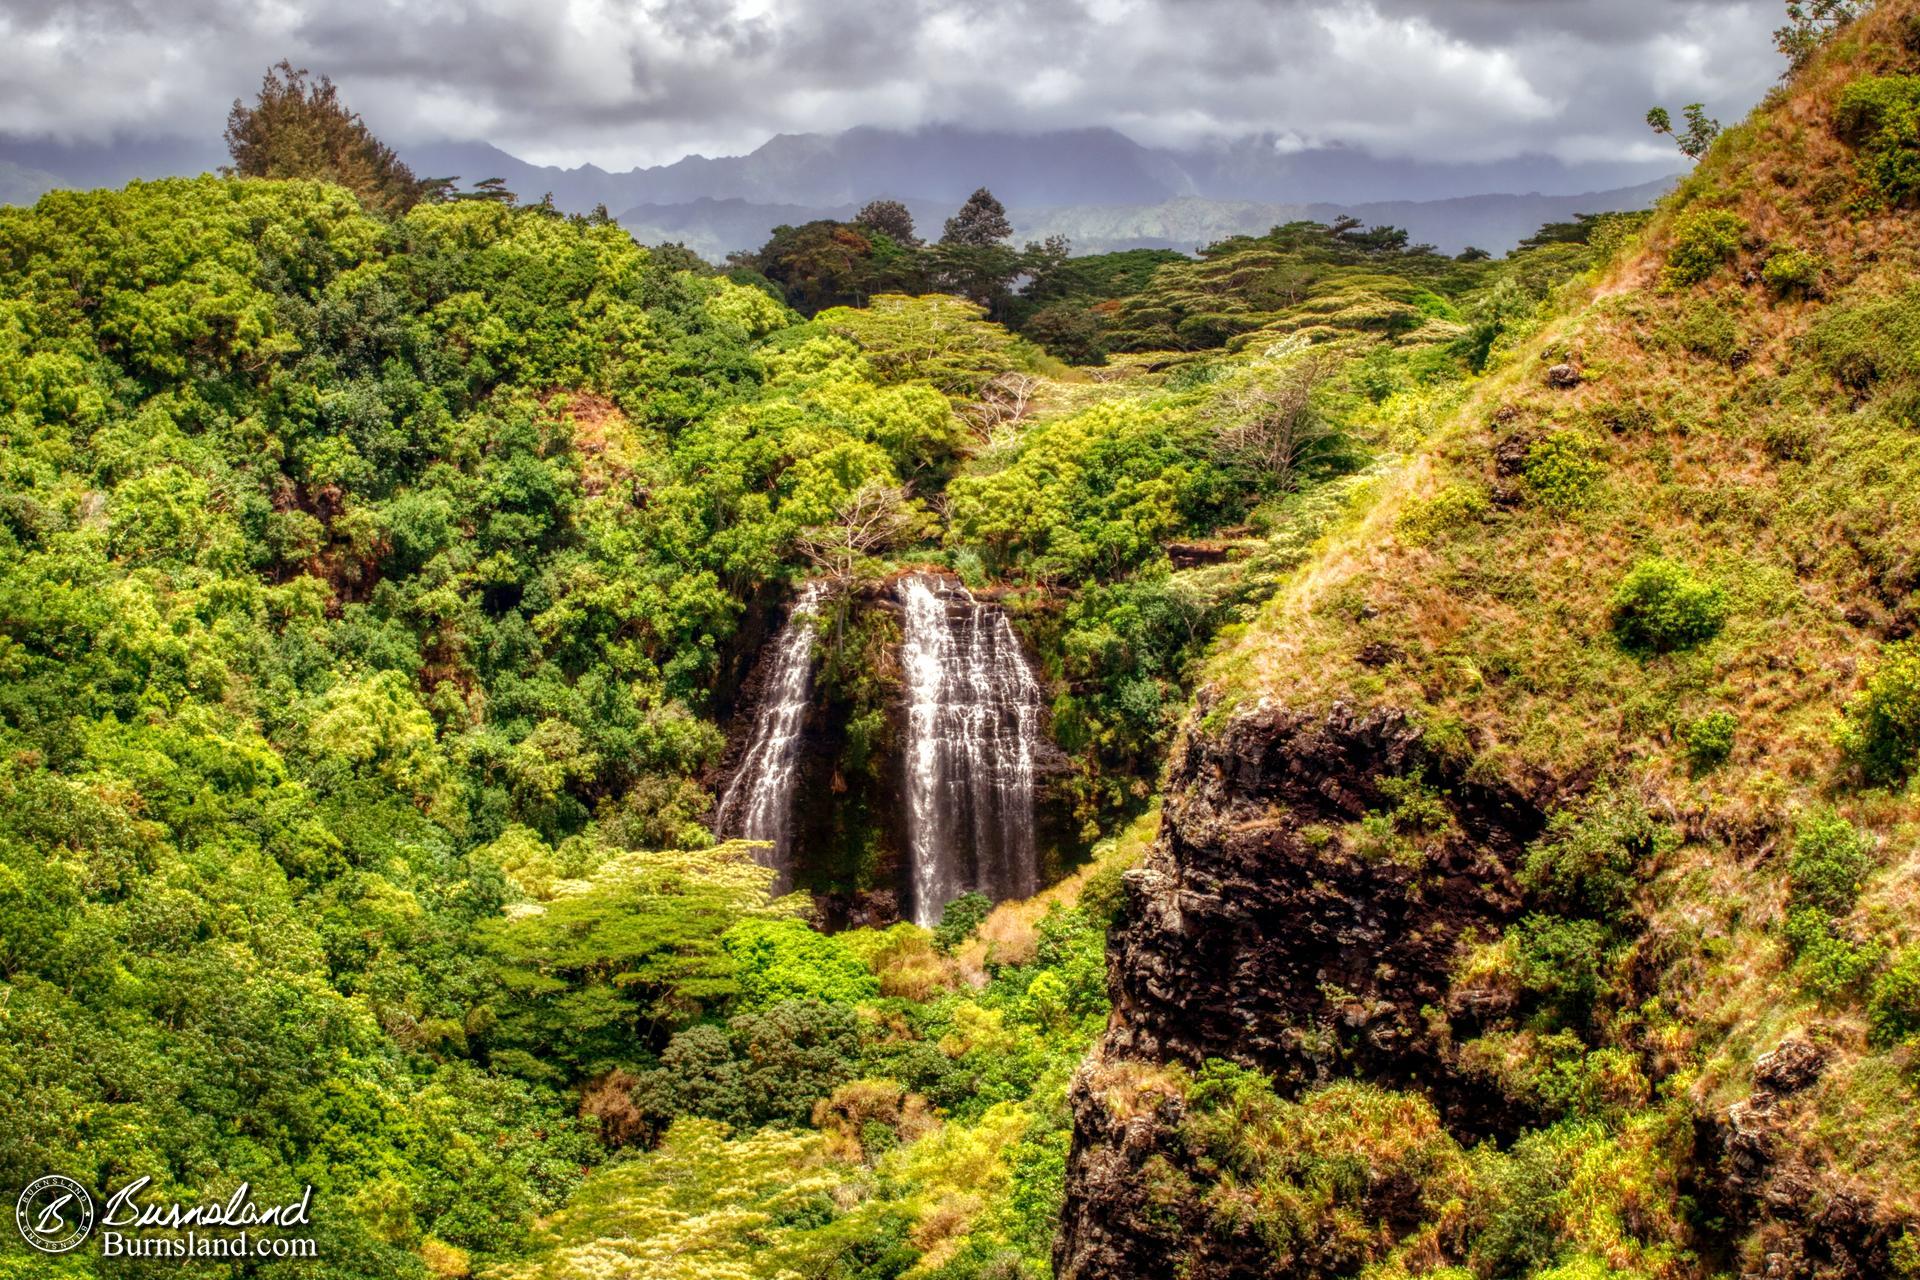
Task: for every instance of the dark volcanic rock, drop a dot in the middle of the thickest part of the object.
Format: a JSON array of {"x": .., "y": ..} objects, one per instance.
[
  {"x": 1791, "y": 1067},
  {"x": 1253, "y": 934},
  {"x": 1802, "y": 1223},
  {"x": 1251, "y": 929}
]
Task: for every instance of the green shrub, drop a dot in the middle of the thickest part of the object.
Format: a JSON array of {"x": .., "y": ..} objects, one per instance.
[
  {"x": 1790, "y": 269},
  {"x": 1708, "y": 328},
  {"x": 1454, "y": 507},
  {"x": 1881, "y": 732},
  {"x": 1529, "y": 1186},
  {"x": 1561, "y": 960},
  {"x": 1894, "y": 1010},
  {"x": 1703, "y": 239},
  {"x": 959, "y": 918},
  {"x": 1830, "y": 863},
  {"x": 1710, "y": 739},
  {"x": 1880, "y": 115},
  {"x": 1830, "y": 966},
  {"x": 1589, "y": 860},
  {"x": 1660, "y": 606},
  {"x": 773, "y": 1065},
  {"x": 1866, "y": 339},
  {"x": 1904, "y": 1253},
  {"x": 780, "y": 960},
  {"x": 1562, "y": 469}
]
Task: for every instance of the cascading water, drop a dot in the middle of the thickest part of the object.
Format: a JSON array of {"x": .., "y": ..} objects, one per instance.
[
  {"x": 758, "y": 804},
  {"x": 973, "y": 722}
]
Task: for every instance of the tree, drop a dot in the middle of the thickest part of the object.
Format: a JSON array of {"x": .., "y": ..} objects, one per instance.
[
  {"x": 816, "y": 264},
  {"x": 491, "y": 189},
  {"x": 1700, "y": 132},
  {"x": 980, "y": 224},
  {"x": 1003, "y": 402},
  {"x": 980, "y": 272},
  {"x": 875, "y": 517},
  {"x": 939, "y": 340},
  {"x": 1273, "y": 423},
  {"x": 1074, "y": 333},
  {"x": 1808, "y": 26},
  {"x": 891, "y": 219},
  {"x": 300, "y": 129},
  {"x": 591, "y": 975},
  {"x": 1382, "y": 239}
]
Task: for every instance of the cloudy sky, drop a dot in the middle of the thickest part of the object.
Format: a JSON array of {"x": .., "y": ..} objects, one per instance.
[{"x": 626, "y": 82}]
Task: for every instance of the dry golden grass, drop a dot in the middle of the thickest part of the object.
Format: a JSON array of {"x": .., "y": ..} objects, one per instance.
[
  {"x": 1504, "y": 620},
  {"x": 1129, "y": 1087}
]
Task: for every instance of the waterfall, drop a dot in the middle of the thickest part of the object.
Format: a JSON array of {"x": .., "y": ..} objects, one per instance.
[
  {"x": 758, "y": 804},
  {"x": 973, "y": 721}
]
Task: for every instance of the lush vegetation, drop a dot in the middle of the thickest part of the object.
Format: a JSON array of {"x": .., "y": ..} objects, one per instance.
[
  {"x": 1646, "y": 584},
  {"x": 377, "y": 570}
]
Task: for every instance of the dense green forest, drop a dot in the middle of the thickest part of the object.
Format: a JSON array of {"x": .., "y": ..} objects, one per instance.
[
  {"x": 367, "y": 579},
  {"x": 380, "y": 567}
]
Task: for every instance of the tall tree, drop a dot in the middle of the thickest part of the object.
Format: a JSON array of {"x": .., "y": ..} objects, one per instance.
[
  {"x": 981, "y": 222},
  {"x": 1809, "y": 23},
  {"x": 299, "y": 128},
  {"x": 891, "y": 219}
]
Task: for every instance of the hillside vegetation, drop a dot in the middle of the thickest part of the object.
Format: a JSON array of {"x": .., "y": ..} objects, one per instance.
[{"x": 1629, "y": 647}]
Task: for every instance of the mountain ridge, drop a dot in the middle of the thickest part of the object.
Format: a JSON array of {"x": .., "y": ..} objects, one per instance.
[{"x": 1095, "y": 165}]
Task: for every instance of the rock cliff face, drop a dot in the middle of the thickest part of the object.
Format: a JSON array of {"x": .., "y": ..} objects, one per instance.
[
  {"x": 1801, "y": 1223},
  {"x": 1261, "y": 930},
  {"x": 1255, "y": 932},
  {"x": 1257, "y": 935}
]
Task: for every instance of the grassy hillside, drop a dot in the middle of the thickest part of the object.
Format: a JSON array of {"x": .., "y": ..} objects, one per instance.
[{"x": 1655, "y": 583}]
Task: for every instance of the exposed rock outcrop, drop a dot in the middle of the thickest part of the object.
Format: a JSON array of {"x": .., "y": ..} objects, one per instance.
[
  {"x": 1261, "y": 930},
  {"x": 1256, "y": 933}
]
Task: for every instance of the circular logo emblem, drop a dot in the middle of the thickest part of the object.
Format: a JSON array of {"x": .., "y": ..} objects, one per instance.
[{"x": 54, "y": 1214}]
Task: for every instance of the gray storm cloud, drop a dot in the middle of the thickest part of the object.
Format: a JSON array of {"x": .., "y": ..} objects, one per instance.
[{"x": 621, "y": 82}]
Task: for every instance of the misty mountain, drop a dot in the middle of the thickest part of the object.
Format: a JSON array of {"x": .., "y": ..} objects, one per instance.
[
  {"x": 22, "y": 185},
  {"x": 1031, "y": 170},
  {"x": 84, "y": 165},
  {"x": 940, "y": 165},
  {"x": 1495, "y": 223}
]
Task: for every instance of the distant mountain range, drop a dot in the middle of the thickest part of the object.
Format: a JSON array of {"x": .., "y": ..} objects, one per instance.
[
  {"x": 1496, "y": 223},
  {"x": 1097, "y": 186},
  {"x": 1032, "y": 170}
]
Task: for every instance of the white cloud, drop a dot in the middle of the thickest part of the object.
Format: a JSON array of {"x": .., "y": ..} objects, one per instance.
[{"x": 622, "y": 82}]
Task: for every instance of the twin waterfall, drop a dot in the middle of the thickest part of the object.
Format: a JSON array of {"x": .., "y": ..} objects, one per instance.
[
  {"x": 973, "y": 719},
  {"x": 971, "y": 726},
  {"x": 758, "y": 804}
]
